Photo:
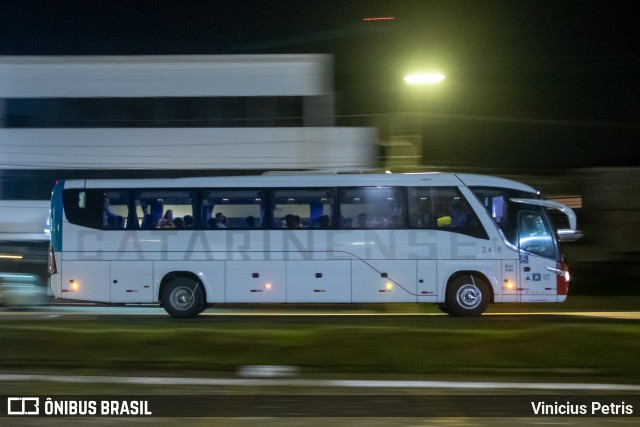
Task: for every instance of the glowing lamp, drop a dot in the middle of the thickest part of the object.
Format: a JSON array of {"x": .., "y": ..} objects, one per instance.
[{"x": 426, "y": 78}]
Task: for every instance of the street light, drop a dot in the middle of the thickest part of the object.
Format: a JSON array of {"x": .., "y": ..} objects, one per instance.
[
  {"x": 422, "y": 92},
  {"x": 426, "y": 78}
]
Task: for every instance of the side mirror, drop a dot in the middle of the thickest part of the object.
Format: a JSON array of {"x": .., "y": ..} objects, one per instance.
[{"x": 569, "y": 235}]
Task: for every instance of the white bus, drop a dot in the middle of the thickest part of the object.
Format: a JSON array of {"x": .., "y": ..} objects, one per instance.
[{"x": 457, "y": 240}]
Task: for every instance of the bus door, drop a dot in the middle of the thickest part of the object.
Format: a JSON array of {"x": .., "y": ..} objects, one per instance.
[
  {"x": 540, "y": 258},
  {"x": 537, "y": 252}
]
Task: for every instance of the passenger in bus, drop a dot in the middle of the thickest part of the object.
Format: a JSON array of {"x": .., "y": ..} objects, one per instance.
[
  {"x": 167, "y": 220},
  {"x": 250, "y": 222},
  {"x": 148, "y": 222},
  {"x": 107, "y": 215},
  {"x": 394, "y": 221},
  {"x": 188, "y": 222},
  {"x": 379, "y": 222},
  {"x": 221, "y": 220},
  {"x": 362, "y": 220},
  {"x": 458, "y": 215},
  {"x": 115, "y": 222},
  {"x": 291, "y": 221},
  {"x": 179, "y": 223},
  {"x": 443, "y": 216},
  {"x": 426, "y": 221},
  {"x": 323, "y": 222},
  {"x": 415, "y": 220}
]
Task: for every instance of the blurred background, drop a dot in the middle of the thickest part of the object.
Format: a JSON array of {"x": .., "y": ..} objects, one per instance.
[{"x": 542, "y": 92}]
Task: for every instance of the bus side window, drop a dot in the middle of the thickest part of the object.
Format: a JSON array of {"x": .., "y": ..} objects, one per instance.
[
  {"x": 296, "y": 208},
  {"x": 241, "y": 209},
  {"x": 372, "y": 207},
  {"x": 84, "y": 207},
  {"x": 420, "y": 207},
  {"x": 115, "y": 211},
  {"x": 452, "y": 212},
  {"x": 161, "y": 208}
]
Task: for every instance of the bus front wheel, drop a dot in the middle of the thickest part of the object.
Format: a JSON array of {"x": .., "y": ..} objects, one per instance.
[
  {"x": 467, "y": 296},
  {"x": 183, "y": 297}
]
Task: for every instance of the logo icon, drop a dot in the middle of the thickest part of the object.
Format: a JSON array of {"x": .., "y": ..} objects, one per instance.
[{"x": 23, "y": 406}]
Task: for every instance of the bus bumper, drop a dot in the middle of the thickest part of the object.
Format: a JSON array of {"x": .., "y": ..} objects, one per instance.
[{"x": 55, "y": 283}]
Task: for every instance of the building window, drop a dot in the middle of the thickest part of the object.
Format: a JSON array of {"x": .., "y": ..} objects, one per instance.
[{"x": 220, "y": 111}]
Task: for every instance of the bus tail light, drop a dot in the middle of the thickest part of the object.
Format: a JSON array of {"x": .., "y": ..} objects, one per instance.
[
  {"x": 52, "y": 268},
  {"x": 562, "y": 278}
]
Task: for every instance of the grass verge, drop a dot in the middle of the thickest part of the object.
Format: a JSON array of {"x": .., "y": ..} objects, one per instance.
[{"x": 415, "y": 346}]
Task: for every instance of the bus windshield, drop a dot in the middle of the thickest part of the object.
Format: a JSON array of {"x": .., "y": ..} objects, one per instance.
[{"x": 524, "y": 226}]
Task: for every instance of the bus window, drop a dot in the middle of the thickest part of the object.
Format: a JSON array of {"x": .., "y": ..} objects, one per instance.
[
  {"x": 165, "y": 209},
  {"x": 84, "y": 207},
  {"x": 504, "y": 213},
  {"x": 372, "y": 207},
  {"x": 115, "y": 210},
  {"x": 312, "y": 208},
  {"x": 451, "y": 211},
  {"x": 420, "y": 208},
  {"x": 241, "y": 209}
]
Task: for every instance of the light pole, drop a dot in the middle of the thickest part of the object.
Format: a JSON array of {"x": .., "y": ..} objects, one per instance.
[{"x": 404, "y": 142}]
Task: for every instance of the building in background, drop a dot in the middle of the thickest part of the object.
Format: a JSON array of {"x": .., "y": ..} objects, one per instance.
[{"x": 159, "y": 116}]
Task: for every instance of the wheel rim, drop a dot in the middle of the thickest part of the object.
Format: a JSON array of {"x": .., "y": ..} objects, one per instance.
[
  {"x": 469, "y": 296},
  {"x": 182, "y": 298}
]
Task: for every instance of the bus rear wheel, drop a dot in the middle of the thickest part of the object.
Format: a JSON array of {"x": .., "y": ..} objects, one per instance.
[
  {"x": 468, "y": 296},
  {"x": 183, "y": 298}
]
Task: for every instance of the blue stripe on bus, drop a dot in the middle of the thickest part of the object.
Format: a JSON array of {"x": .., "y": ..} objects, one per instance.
[{"x": 56, "y": 216}]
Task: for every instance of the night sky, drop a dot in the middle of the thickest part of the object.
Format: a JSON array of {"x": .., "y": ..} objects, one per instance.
[{"x": 523, "y": 77}]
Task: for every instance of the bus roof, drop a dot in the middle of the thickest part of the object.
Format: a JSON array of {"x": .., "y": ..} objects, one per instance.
[
  {"x": 473, "y": 180},
  {"x": 305, "y": 180}
]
